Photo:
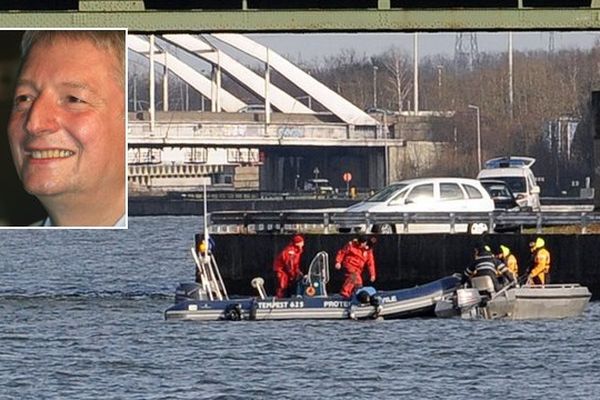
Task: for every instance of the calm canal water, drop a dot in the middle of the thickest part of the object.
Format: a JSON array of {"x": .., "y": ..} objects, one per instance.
[{"x": 82, "y": 319}]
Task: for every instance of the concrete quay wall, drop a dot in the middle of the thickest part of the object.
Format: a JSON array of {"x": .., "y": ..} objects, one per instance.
[{"x": 406, "y": 260}]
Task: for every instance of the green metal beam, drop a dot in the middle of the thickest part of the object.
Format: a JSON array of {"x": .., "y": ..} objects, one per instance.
[
  {"x": 111, "y": 5},
  {"x": 93, "y": 14}
]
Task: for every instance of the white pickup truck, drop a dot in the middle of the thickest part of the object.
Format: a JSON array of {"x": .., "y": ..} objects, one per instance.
[{"x": 516, "y": 172}]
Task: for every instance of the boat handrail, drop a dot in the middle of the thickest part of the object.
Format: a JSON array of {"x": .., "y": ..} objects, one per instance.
[
  {"x": 552, "y": 286},
  {"x": 210, "y": 276},
  {"x": 319, "y": 269},
  {"x": 219, "y": 279},
  {"x": 203, "y": 276}
]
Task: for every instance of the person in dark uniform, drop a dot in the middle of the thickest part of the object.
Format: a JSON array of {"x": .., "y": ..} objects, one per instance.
[{"x": 485, "y": 264}]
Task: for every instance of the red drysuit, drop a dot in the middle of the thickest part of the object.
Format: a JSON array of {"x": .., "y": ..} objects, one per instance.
[
  {"x": 287, "y": 268},
  {"x": 353, "y": 258}
]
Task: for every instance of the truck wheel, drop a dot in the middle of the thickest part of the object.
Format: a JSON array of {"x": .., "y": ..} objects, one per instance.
[
  {"x": 384, "y": 229},
  {"x": 477, "y": 228}
]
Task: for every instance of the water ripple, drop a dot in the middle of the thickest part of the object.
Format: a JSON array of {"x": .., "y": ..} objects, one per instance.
[{"x": 87, "y": 323}]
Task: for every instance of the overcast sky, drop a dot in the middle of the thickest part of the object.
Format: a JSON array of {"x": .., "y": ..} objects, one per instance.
[
  {"x": 309, "y": 47},
  {"x": 312, "y": 48}
]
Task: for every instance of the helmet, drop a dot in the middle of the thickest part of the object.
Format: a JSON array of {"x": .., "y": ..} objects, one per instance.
[
  {"x": 202, "y": 247},
  {"x": 505, "y": 251},
  {"x": 297, "y": 239},
  {"x": 363, "y": 297},
  {"x": 481, "y": 249},
  {"x": 538, "y": 244},
  {"x": 362, "y": 239}
]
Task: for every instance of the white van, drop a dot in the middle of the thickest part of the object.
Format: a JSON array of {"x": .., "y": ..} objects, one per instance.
[{"x": 516, "y": 172}]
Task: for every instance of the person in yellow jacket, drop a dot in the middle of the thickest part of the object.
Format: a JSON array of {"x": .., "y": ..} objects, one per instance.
[
  {"x": 540, "y": 272},
  {"x": 509, "y": 260}
]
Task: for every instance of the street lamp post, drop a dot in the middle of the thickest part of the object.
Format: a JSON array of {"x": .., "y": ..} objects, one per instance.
[
  {"x": 375, "y": 68},
  {"x": 440, "y": 68},
  {"x": 135, "y": 92},
  {"x": 478, "y": 134}
]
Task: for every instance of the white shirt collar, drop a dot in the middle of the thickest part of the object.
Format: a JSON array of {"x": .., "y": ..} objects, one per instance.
[{"x": 120, "y": 223}]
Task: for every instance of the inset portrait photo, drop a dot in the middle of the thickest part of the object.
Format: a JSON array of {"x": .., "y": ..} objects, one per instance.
[{"x": 64, "y": 142}]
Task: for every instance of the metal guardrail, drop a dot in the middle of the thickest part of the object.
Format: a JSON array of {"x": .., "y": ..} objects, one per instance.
[
  {"x": 263, "y": 221},
  {"x": 329, "y": 221},
  {"x": 232, "y": 194}
]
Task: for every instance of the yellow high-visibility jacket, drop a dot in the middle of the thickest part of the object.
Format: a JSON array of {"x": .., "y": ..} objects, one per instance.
[
  {"x": 541, "y": 266},
  {"x": 512, "y": 265}
]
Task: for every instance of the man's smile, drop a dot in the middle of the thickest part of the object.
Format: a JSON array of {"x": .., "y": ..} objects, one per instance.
[{"x": 49, "y": 154}]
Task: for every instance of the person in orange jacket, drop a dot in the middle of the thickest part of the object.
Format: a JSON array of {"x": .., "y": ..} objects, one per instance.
[
  {"x": 540, "y": 272},
  {"x": 287, "y": 266},
  {"x": 509, "y": 259},
  {"x": 354, "y": 256}
]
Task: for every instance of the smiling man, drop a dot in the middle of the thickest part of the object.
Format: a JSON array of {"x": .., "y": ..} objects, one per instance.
[{"x": 67, "y": 126}]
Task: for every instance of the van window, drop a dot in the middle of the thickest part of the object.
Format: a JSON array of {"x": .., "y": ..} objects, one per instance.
[
  {"x": 516, "y": 184},
  {"x": 473, "y": 192},
  {"x": 420, "y": 194},
  {"x": 497, "y": 190},
  {"x": 451, "y": 191}
]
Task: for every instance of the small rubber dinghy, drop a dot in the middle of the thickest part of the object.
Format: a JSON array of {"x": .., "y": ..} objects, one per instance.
[{"x": 208, "y": 300}]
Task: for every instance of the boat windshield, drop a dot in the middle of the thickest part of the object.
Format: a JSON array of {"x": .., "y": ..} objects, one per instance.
[{"x": 386, "y": 193}]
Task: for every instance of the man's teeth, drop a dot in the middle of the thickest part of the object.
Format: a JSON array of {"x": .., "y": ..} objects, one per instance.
[{"x": 51, "y": 153}]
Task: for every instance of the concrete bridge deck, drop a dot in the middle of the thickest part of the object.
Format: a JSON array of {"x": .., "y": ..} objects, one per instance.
[{"x": 248, "y": 129}]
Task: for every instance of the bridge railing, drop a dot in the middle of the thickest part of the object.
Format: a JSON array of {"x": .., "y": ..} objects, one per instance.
[{"x": 330, "y": 221}]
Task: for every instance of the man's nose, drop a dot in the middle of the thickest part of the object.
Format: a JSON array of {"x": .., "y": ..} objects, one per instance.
[{"x": 42, "y": 116}]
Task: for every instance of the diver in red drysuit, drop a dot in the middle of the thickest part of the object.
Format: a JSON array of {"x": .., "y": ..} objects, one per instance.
[
  {"x": 287, "y": 266},
  {"x": 354, "y": 256}
]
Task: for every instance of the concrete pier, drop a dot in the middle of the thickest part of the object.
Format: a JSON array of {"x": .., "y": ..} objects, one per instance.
[{"x": 406, "y": 260}]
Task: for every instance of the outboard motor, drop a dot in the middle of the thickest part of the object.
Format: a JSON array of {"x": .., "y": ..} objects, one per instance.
[
  {"x": 484, "y": 284},
  {"x": 188, "y": 291},
  {"x": 467, "y": 298}
]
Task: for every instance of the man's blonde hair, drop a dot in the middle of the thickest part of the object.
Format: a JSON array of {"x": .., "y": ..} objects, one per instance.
[{"x": 112, "y": 41}]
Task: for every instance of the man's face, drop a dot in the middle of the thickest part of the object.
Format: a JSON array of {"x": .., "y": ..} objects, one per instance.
[{"x": 66, "y": 130}]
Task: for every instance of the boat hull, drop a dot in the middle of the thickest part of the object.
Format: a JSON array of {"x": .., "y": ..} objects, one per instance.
[
  {"x": 402, "y": 303},
  {"x": 522, "y": 303},
  {"x": 541, "y": 302}
]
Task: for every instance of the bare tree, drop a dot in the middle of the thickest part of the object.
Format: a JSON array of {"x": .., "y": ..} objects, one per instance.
[{"x": 397, "y": 63}]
